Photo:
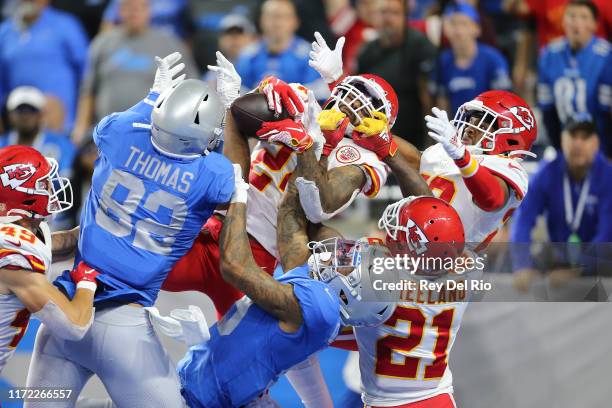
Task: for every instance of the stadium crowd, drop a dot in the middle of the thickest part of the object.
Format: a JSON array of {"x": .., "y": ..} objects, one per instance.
[{"x": 64, "y": 65}]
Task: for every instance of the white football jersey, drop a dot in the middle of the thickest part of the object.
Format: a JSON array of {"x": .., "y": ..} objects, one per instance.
[
  {"x": 271, "y": 167},
  {"x": 19, "y": 249},
  {"x": 405, "y": 360},
  {"x": 446, "y": 182}
]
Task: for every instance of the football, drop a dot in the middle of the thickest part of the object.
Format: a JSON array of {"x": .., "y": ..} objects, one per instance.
[{"x": 250, "y": 111}]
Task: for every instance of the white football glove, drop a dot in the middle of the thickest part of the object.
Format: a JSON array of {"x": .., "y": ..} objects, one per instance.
[
  {"x": 443, "y": 132},
  {"x": 166, "y": 72},
  {"x": 241, "y": 187},
  {"x": 188, "y": 326},
  {"x": 228, "y": 80},
  {"x": 327, "y": 62}
]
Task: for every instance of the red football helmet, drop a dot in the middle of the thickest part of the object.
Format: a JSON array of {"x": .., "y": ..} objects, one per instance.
[
  {"x": 30, "y": 186},
  {"x": 371, "y": 91},
  {"x": 428, "y": 225},
  {"x": 507, "y": 123}
]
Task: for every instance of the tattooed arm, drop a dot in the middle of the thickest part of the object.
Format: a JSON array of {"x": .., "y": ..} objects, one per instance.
[
  {"x": 291, "y": 232},
  {"x": 336, "y": 186},
  {"x": 64, "y": 244},
  {"x": 235, "y": 146},
  {"x": 405, "y": 167},
  {"x": 240, "y": 270}
]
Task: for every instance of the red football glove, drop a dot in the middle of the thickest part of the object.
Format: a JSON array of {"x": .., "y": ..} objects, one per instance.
[
  {"x": 333, "y": 137},
  {"x": 280, "y": 95},
  {"x": 84, "y": 276},
  {"x": 382, "y": 143},
  {"x": 287, "y": 132}
]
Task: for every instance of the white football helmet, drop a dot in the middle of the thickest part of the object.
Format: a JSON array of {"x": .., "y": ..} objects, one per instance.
[{"x": 338, "y": 262}]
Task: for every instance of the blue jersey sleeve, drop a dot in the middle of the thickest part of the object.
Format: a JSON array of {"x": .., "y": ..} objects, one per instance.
[
  {"x": 145, "y": 106},
  {"x": 525, "y": 218},
  {"x": 102, "y": 131},
  {"x": 221, "y": 172},
  {"x": 320, "y": 306}
]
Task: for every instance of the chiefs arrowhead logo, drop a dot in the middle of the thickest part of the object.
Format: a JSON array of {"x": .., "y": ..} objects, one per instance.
[
  {"x": 524, "y": 116},
  {"x": 14, "y": 175},
  {"x": 417, "y": 241}
]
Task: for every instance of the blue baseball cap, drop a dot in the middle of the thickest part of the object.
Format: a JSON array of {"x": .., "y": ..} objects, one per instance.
[{"x": 462, "y": 8}]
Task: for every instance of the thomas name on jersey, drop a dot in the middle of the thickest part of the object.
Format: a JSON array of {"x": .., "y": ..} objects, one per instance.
[{"x": 157, "y": 171}]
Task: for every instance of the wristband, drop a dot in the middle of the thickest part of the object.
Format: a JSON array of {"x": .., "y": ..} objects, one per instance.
[
  {"x": 87, "y": 285},
  {"x": 468, "y": 166}
]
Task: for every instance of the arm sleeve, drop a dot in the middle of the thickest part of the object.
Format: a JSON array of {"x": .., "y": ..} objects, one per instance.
[{"x": 524, "y": 220}]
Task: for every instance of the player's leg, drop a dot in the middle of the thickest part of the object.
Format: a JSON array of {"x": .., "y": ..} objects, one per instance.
[
  {"x": 189, "y": 272},
  {"x": 50, "y": 368},
  {"x": 133, "y": 365},
  {"x": 307, "y": 380}
]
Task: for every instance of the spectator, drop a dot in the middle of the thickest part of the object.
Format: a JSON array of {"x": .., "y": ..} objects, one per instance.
[
  {"x": 169, "y": 15},
  {"x": 573, "y": 192},
  {"x": 280, "y": 52},
  {"x": 572, "y": 73},
  {"x": 35, "y": 51},
  {"x": 26, "y": 105},
  {"x": 405, "y": 58},
  {"x": 122, "y": 65},
  {"x": 467, "y": 68},
  {"x": 89, "y": 13},
  {"x": 549, "y": 15},
  {"x": 356, "y": 24},
  {"x": 206, "y": 17},
  {"x": 237, "y": 32}
]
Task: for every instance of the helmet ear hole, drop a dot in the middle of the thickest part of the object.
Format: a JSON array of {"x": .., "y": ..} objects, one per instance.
[
  {"x": 343, "y": 297},
  {"x": 197, "y": 117},
  {"x": 383, "y": 310}
]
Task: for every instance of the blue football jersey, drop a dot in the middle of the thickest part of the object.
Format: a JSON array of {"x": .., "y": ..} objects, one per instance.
[
  {"x": 489, "y": 70},
  {"x": 571, "y": 82},
  {"x": 144, "y": 209},
  {"x": 248, "y": 351}
]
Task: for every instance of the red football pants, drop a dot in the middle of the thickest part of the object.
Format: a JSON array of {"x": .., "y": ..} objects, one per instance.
[
  {"x": 439, "y": 401},
  {"x": 199, "y": 268}
]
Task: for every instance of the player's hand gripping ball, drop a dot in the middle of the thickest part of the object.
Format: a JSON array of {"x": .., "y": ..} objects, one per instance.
[
  {"x": 281, "y": 96},
  {"x": 287, "y": 132}
]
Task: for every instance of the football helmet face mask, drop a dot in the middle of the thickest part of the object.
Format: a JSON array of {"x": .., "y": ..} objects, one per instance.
[
  {"x": 503, "y": 120},
  {"x": 31, "y": 186},
  {"x": 364, "y": 94},
  {"x": 423, "y": 226},
  {"x": 337, "y": 262}
]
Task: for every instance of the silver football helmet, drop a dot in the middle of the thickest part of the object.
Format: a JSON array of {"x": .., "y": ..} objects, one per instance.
[
  {"x": 187, "y": 120},
  {"x": 338, "y": 262}
]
